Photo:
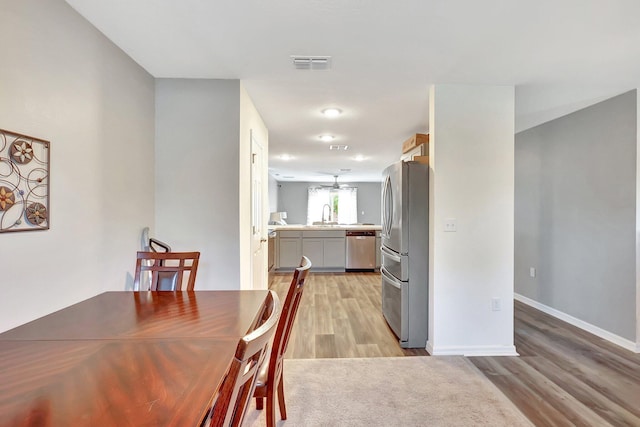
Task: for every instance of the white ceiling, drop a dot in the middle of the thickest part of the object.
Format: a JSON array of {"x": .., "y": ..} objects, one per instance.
[{"x": 560, "y": 55}]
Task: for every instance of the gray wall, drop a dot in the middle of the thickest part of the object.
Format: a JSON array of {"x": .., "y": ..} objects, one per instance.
[
  {"x": 273, "y": 194},
  {"x": 575, "y": 214},
  {"x": 197, "y": 195},
  {"x": 292, "y": 198}
]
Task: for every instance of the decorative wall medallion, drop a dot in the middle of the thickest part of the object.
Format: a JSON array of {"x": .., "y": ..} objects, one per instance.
[
  {"x": 7, "y": 199},
  {"x": 24, "y": 182},
  {"x": 36, "y": 213},
  {"x": 21, "y": 151}
]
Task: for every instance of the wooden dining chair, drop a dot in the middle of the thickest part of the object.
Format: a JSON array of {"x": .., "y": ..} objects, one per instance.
[
  {"x": 233, "y": 395},
  {"x": 270, "y": 375},
  {"x": 165, "y": 271}
]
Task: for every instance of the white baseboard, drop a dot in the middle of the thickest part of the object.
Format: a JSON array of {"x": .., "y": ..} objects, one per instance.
[
  {"x": 489, "y": 350},
  {"x": 429, "y": 347},
  {"x": 599, "y": 332}
]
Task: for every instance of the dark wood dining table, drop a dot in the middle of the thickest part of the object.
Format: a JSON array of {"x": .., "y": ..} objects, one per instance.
[{"x": 123, "y": 359}]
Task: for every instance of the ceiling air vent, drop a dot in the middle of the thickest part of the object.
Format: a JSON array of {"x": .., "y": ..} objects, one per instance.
[
  {"x": 338, "y": 147},
  {"x": 314, "y": 63}
]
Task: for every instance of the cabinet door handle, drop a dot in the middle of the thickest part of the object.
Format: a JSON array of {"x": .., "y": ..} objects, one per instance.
[{"x": 263, "y": 240}]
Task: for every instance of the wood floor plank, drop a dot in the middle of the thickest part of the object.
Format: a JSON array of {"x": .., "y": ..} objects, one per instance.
[
  {"x": 325, "y": 346},
  {"x": 344, "y": 339},
  {"x": 300, "y": 346},
  {"x": 368, "y": 350},
  {"x": 322, "y": 309},
  {"x": 362, "y": 330}
]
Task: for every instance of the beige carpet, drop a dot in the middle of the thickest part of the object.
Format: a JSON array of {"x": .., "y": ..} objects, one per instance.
[{"x": 390, "y": 391}]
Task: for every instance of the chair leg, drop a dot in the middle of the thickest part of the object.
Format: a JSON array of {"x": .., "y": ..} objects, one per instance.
[
  {"x": 283, "y": 408},
  {"x": 271, "y": 410},
  {"x": 259, "y": 403}
]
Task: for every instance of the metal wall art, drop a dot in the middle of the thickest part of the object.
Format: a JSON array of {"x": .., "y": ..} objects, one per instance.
[{"x": 24, "y": 182}]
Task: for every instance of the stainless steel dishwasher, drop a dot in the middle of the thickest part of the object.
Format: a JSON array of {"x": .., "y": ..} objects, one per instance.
[{"x": 361, "y": 250}]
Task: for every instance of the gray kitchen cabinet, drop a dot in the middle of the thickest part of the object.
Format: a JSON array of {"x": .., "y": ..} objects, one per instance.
[
  {"x": 325, "y": 248},
  {"x": 334, "y": 252},
  {"x": 289, "y": 249},
  {"x": 313, "y": 249}
]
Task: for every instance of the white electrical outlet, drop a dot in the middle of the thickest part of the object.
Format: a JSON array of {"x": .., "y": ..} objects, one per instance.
[
  {"x": 532, "y": 272},
  {"x": 495, "y": 304},
  {"x": 450, "y": 225}
]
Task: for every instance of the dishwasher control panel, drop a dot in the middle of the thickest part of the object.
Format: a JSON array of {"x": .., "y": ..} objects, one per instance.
[{"x": 361, "y": 233}]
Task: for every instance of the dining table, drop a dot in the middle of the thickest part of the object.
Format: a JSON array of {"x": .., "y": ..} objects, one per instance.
[{"x": 124, "y": 359}]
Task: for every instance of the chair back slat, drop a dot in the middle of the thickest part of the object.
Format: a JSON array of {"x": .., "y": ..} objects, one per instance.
[{"x": 165, "y": 271}]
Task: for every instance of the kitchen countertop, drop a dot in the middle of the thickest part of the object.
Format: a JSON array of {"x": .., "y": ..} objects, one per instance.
[{"x": 296, "y": 227}]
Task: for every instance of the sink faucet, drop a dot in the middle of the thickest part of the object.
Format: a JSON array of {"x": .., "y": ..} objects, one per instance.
[{"x": 329, "y": 216}]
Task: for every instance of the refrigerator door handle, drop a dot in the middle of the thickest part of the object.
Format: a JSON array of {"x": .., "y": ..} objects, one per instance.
[
  {"x": 383, "y": 230},
  {"x": 387, "y": 207},
  {"x": 394, "y": 256},
  {"x": 392, "y": 280}
]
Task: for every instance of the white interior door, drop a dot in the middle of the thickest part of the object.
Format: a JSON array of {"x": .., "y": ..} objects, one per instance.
[{"x": 258, "y": 229}]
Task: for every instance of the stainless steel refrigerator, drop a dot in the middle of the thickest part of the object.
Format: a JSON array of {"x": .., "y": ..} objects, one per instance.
[{"x": 405, "y": 251}]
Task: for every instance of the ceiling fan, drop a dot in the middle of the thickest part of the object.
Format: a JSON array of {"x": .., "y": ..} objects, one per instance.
[{"x": 336, "y": 185}]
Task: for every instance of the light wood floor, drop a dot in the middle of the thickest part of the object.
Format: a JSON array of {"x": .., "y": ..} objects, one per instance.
[
  {"x": 340, "y": 315},
  {"x": 563, "y": 377}
]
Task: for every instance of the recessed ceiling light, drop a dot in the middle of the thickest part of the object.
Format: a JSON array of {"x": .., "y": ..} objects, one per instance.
[
  {"x": 327, "y": 138},
  {"x": 332, "y": 112},
  {"x": 286, "y": 157},
  {"x": 359, "y": 158}
]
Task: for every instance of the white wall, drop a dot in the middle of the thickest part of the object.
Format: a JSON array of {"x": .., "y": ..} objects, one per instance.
[
  {"x": 62, "y": 81},
  {"x": 471, "y": 180},
  {"x": 251, "y": 124}
]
